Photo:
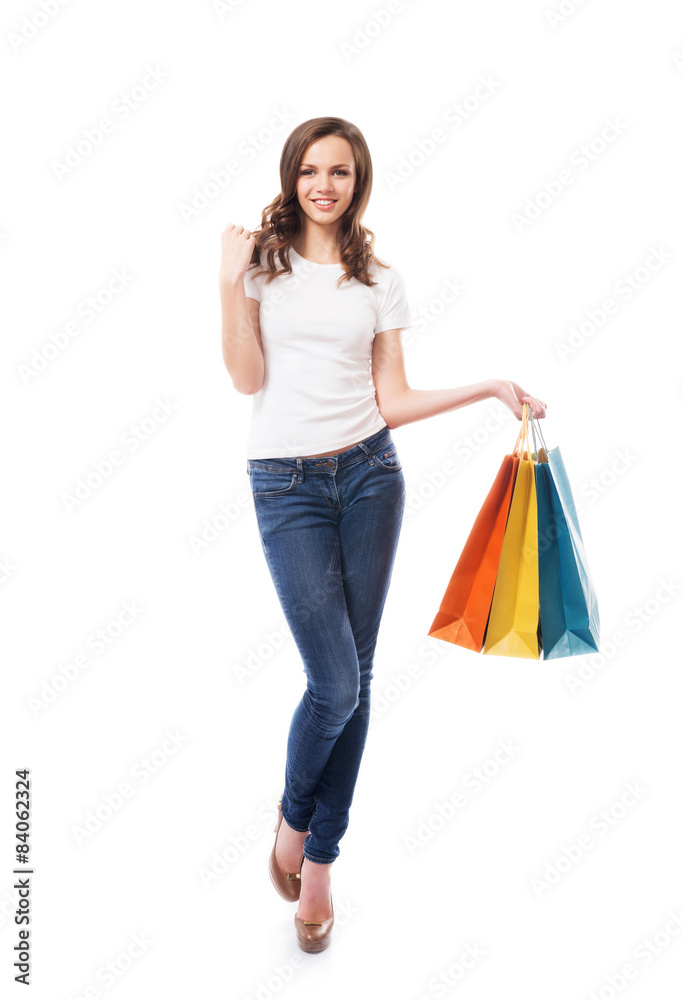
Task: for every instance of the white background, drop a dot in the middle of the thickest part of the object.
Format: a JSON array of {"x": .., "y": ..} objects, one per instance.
[{"x": 207, "y": 656}]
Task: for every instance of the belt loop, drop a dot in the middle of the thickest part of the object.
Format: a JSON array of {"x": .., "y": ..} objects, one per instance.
[
  {"x": 300, "y": 470},
  {"x": 367, "y": 452}
]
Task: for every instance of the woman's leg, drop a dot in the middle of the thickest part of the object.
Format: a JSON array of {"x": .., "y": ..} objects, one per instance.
[
  {"x": 369, "y": 529},
  {"x": 329, "y": 536},
  {"x": 300, "y": 540}
]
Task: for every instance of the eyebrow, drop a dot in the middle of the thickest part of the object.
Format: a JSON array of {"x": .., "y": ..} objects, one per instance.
[{"x": 331, "y": 168}]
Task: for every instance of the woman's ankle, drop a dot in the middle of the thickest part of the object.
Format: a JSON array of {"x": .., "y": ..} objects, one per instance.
[{"x": 317, "y": 869}]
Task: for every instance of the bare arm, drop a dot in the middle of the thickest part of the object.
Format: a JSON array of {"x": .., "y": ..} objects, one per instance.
[
  {"x": 400, "y": 404},
  {"x": 241, "y": 333}
]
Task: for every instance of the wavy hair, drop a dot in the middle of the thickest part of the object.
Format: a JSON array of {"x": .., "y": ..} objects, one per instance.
[{"x": 282, "y": 220}]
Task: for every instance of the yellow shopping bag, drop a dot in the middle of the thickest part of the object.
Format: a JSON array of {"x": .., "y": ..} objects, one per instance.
[{"x": 513, "y": 623}]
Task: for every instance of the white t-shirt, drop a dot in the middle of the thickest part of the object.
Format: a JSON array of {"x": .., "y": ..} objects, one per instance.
[{"x": 318, "y": 394}]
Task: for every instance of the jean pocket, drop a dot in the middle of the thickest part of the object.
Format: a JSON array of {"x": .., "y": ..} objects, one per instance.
[
  {"x": 268, "y": 483},
  {"x": 388, "y": 457}
]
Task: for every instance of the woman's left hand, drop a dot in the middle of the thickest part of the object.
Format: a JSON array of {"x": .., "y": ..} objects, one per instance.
[{"x": 514, "y": 396}]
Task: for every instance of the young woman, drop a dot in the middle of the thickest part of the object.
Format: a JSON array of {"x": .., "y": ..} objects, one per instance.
[{"x": 313, "y": 332}]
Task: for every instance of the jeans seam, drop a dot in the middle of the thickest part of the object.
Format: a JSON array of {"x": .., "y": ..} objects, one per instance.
[
  {"x": 293, "y": 763},
  {"x": 319, "y": 861},
  {"x": 304, "y": 830}
]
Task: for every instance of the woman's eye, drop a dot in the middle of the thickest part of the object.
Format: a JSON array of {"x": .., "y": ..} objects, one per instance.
[{"x": 309, "y": 171}]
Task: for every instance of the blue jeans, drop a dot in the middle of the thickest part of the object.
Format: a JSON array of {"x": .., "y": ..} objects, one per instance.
[{"x": 329, "y": 530}]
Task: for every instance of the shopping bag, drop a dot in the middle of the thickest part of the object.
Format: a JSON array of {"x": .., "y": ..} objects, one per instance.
[
  {"x": 570, "y": 618},
  {"x": 513, "y": 626},
  {"x": 464, "y": 609}
]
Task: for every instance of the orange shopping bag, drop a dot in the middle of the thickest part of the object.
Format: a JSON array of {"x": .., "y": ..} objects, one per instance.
[{"x": 464, "y": 610}]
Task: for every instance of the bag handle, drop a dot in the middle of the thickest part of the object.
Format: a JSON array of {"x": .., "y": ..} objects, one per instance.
[
  {"x": 532, "y": 424},
  {"x": 520, "y": 434},
  {"x": 535, "y": 426},
  {"x": 515, "y": 447},
  {"x": 523, "y": 436}
]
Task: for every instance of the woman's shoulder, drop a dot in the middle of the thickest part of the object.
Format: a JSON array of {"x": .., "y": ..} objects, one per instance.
[{"x": 386, "y": 277}]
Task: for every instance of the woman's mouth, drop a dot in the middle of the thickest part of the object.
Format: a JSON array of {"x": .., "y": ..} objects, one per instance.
[{"x": 324, "y": 203}]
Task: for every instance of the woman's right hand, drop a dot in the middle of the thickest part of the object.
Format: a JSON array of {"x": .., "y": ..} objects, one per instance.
[
  {"x": 515, "y": 397},
  {"x": 237, "y": 248}
]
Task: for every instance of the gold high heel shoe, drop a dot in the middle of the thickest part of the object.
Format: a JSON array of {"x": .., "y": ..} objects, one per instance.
[
  {"x": 288, "y": 884},
  {"x": 314, "y": 935}
]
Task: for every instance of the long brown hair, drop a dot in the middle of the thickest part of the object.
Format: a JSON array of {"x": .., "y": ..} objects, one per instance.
[{"x": 282, "y": 220}]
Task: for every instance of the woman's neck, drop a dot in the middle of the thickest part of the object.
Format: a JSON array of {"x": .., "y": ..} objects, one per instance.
[{"x": 311, "y": 246}]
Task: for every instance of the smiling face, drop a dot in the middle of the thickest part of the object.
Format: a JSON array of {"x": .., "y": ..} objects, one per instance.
[{"x": 327, "y": 175}]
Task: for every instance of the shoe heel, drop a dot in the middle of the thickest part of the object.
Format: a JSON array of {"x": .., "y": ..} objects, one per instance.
[{"x": 287, "y": 884}]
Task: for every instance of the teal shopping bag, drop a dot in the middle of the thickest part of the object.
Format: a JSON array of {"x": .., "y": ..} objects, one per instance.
[{"x": 569, "y": 616}]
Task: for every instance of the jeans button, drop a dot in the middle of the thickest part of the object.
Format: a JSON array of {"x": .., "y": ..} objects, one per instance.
[{"x": 330, "y": 465}]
